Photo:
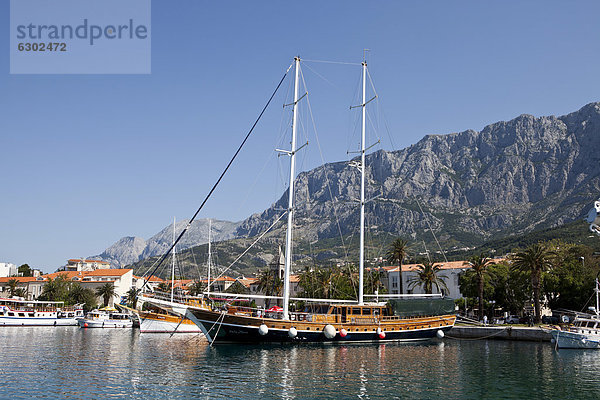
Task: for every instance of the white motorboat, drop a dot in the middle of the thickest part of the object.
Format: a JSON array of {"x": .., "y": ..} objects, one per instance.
[
  {"x": 106, "y": 317},
  {"x": 17, "y": 312}
]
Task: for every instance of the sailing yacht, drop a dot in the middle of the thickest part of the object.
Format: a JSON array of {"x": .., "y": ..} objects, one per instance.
[{"x": 327, "y": 320}]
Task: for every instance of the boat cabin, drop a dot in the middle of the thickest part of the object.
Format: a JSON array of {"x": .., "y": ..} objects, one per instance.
[{"x": 352, "y": 313}]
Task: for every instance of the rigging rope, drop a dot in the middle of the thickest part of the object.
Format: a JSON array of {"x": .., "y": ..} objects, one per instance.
[
  {"x": 431, "y": 230},
  {"x": 162, "y": 259},
  {"x": 248, "y": 249}
]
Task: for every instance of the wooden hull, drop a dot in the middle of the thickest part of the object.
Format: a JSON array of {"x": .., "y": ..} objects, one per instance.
[
  {"x": 164, "y": 323},
  {"x": 228, "y": 328}
]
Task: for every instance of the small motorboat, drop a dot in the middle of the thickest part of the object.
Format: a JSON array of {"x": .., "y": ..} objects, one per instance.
[{"x": 107, "y": 317}]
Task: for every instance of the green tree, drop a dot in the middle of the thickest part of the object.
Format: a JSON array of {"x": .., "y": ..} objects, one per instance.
[
  {"x": 534, "y": 260},
  {"x": 25, "y": 270},
  {"x": 396, "y": 254},
  {"x": 373, "y": 282},
  {"x": 427, "y": 277},
  {"x": 21, "y": 292},
  {"x": 270, "y": 284},
  {"x": 132, "y": 297},
  {"x": 56, "y": 289},
  {"x": 197, "y": 287},
  {"x": 12, "y": 286},
  {"x": 571, "y": 280},
  {"x": 479, "y": 264},
  {"x": 508, "y": 287},
  {"x": 106, "y": 291},
  {"x": 309, "y": 283},
  {"x": 77, "y": 294}
]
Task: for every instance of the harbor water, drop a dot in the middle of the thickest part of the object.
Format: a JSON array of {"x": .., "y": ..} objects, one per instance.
[{"x": 74, "y": 363}]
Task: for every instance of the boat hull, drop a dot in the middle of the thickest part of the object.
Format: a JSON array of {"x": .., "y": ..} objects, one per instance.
[
  {"x": 37, "y": 321},
  {"x": 86, "y": 323},
  {"x": 225, "y": 328},
  {"x": 154, "y": 325},
  {"x": 573, "y": 340}
]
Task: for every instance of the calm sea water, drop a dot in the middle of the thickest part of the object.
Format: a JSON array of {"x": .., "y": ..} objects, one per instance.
[{"x": 73, "y": 363}]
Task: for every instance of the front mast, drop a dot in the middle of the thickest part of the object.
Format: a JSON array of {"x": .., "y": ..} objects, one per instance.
[
  {"x": 361, "y": 262},
  {"x": 288, "y": 237}
]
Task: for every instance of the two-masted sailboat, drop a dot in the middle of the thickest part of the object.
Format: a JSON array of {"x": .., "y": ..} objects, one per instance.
[{"x": 328, "y": 320}]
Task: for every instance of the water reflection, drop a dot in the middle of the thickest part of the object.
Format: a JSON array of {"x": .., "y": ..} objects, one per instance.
[{"x": 78, "y": 363}]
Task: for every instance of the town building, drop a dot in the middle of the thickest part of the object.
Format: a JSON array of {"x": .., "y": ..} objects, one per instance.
[
  {"x": 8, "y": 269},
  {"x": 76, "y": 264}
]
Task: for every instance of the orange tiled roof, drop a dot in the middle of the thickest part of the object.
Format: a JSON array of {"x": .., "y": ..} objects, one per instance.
[
  {"x": 107, "y": 272},
  {"x": 153, "y": 279},
  {"x": 66, "y": 274},
  {"x": 20, "y": 279}
]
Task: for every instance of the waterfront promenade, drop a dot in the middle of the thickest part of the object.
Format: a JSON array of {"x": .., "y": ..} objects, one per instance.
[{"x": 507, "y": 332}]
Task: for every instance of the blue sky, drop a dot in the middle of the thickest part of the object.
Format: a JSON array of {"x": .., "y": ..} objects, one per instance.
[{"x": 87, "y": 159}]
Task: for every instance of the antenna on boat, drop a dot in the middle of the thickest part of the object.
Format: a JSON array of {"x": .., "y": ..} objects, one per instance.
[{"x": 288, "y": 236}]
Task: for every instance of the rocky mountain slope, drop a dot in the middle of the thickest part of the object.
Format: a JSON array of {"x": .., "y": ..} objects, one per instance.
[
  {"x": 129, "y": 250},
  {"x": 510, "y": 178}
]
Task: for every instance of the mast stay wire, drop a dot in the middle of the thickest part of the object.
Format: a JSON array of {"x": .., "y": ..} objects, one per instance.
[
  {"x": 431, "y": 230},
  {"x": 248, "y": 249},
  {"x": 269, "y": 157},
  {"x": 332, "y": 62},
  {"x": 162, "y": 259}
]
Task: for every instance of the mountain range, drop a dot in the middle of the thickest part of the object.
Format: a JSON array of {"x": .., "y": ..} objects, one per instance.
[{"x": 510, "y": 178}]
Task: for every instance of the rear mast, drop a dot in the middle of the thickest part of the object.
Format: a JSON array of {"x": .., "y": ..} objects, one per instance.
[{"x": 288, "y": 237}]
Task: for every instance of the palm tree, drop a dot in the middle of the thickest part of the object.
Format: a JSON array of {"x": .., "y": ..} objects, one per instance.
[
  {"x": 12, "y": 286},
  {"x": 197, "y": 287},
  {"x": 397, "y": 254},
  {"x": 535, "y": 260},
  {"x": 132, "y": 297},
  {"x": 106, "y": 291},
  {"x": 373, "y": 282},
  {"x": 427, "y": 277},
  {"x": 270, "y": 284},
  {"x": 21, "y": 292},
  {"x": 479, "y": 265}
]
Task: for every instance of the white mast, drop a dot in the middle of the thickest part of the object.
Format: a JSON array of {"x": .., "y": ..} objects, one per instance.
[
  {"x": 361, "y": 262},
  {"x": 173, "y": 265},
  {"x": 288, "y": 237},
  {"x": 209, "y": 239}
]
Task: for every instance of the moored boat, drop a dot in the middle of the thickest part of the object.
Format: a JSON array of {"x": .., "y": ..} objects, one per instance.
[
  {"x": 327, "y": 320},
  {"x": 106, "y": 317},
  {"x": 583, "y": 333},
  {"x": 162, "y": 322},
  {"x": 16, "y": 312}
]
